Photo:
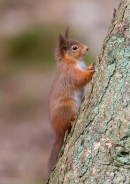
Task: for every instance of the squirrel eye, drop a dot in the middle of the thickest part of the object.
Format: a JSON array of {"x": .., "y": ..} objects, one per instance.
[{"x": 74, "y": 47}]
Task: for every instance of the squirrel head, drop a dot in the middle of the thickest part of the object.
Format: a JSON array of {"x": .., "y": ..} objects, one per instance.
[{"x": 69, "y": 48}]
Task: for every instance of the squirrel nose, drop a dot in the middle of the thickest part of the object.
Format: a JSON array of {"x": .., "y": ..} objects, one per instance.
[{"x": 87, "y": 48}]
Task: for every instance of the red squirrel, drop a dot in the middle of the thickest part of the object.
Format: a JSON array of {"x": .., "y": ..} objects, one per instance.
[{"x": 67, "y": 89}]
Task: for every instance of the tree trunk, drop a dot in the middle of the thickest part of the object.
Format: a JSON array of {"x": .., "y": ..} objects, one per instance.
[{"x": 97, "y": 150}]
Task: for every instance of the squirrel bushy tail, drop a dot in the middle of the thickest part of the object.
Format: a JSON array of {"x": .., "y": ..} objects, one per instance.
[{"x": 58, "y": 142}]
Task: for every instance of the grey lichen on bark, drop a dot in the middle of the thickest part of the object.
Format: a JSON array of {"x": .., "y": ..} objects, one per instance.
[{"x": 97, "y": 150}]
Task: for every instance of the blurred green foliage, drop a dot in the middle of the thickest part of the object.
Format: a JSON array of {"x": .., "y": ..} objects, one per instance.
[
  {"x": 39, "y": 181},
  {"x": 32, "y": 49},
  {"x": 34, "y": 45}
]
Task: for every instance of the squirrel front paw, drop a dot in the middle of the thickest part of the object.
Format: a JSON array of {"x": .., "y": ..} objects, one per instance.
[
  {"x": 91, "y": 67},
  {"x": 90, "y": 72}
]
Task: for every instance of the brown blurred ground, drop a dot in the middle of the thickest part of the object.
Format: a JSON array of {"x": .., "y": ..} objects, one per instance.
[{"x": 28, "y": 33}]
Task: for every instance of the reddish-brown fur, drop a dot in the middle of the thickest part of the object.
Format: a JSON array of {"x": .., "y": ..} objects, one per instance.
[{"x": 69, "y": 79}]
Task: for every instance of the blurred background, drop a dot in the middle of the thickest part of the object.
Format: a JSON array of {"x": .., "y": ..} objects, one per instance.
[{"x": 29, "y": 31}]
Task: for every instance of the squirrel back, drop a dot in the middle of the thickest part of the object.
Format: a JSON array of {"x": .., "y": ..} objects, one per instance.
[{"x": 67, "y": 89}]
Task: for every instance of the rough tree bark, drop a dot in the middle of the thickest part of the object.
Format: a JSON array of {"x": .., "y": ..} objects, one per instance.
[{"x": 97, "y": 150}]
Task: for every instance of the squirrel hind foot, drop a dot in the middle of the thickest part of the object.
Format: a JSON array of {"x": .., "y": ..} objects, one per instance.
[{"x": 73, "y": 119}]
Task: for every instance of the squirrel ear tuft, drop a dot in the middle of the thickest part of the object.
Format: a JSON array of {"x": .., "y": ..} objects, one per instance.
[
  {"x": 61, "y": 39},
  {"x": 67, "y": 32}
]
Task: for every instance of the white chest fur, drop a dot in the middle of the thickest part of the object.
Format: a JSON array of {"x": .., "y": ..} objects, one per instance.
[
  {"x": 79, "y": 93},
  {"x": 81, "y": 65}
]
